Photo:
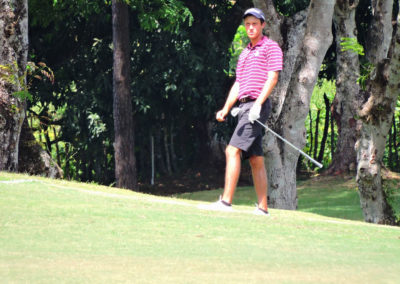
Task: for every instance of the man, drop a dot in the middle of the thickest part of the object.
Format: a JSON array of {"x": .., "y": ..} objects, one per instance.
[{"x": 256, "y": 75}]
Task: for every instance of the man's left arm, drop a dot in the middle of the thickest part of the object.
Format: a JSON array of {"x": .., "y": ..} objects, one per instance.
[{"x": 269, "y": 85}]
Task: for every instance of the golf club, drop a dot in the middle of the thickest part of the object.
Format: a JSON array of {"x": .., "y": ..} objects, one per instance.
[{"x": 236, "y": 110}]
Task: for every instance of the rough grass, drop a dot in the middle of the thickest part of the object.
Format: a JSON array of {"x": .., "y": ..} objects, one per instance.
[{"x": 63, "y": 232}]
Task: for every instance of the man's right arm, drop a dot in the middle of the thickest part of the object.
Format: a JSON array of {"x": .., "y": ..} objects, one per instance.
[{"x": 230, "y": 102}]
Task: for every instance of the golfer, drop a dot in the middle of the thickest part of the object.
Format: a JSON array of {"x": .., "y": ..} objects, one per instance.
[{"x": 256, "y": 75}]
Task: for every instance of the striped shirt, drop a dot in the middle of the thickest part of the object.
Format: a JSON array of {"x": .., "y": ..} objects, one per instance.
[{"x": 254, "y": 64}]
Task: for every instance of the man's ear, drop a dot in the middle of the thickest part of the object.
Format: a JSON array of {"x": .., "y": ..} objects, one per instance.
[{"x": 263, "y": 25}]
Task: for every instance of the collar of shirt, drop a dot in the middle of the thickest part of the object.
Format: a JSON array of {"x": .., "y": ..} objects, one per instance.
[{"x": 259, "y": 43}]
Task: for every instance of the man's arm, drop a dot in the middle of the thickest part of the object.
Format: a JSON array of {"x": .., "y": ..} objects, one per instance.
[
  {"x": 230, "y": 102},
  {"x": 269, "y": 85}
]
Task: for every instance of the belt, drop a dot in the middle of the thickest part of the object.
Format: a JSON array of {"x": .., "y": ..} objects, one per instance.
[{"x": 246, "y": 99}]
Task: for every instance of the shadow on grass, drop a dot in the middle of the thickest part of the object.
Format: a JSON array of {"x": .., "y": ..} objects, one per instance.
[
  {"x": 336, "y": 202},
  {"x": 337, "y": 198}
]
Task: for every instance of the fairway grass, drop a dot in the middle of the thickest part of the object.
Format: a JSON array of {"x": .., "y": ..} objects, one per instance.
[{"x": 55, "y": 231}]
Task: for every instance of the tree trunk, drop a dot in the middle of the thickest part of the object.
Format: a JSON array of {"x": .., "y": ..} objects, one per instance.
[
  {"x": 33, "y": 159},
  {"x": 332, "y": 136},
  {"x": 343, "y": 108},
  {"x": 125, "y": 163},
  {"x": 307, "y": 36},
  {"x": 172, "y": 150},
  {"x": 316, "y": 134},
  {"x": 67, "y": 164},
  {"x": 326, "y": 129},
  {"x": 160, "y": 161},
  {"x": 152, "y": 159},
  {"x": 13, "y": 53},
  {"x": 166, "y": 149},
  {"x": 376, "y": 114},
  {"x": 311, "y": 133},
  {"x": 57, "y": 148}
]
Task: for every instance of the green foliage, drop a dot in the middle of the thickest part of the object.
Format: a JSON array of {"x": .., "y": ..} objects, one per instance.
[
  {"x": 96, "y": 125},
  {"x": 23, "y": 95},
  {"x": 366, "y": 70},
  {"x": 351, "y": 43},
  {"x": 178, "y": 80},
  {"x": 11, "y": 74},
  {"x": 290, "y": 7},
  {"x": 22, "y": 81},
  {"x": 392, "y": 152},
  {"x": 240, "y": 41},
  {"x": 323, "y": 86},
  {"x": 392, "y": 192},
  {"x": 317, "y": 107},
  {"x": 167, "y": 15}
]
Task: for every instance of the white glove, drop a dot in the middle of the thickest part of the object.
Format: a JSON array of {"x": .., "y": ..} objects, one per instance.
[{"x": 254, "y": 113}]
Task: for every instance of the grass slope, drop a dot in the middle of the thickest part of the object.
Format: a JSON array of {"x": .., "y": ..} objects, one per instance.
[{"x": 64, "y": 232}]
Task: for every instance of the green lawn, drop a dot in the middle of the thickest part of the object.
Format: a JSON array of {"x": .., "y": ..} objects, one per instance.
[{"x": 63, "y": 232}]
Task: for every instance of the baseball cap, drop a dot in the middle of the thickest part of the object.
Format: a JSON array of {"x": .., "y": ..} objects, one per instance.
[{"x": 254, "y": 12}]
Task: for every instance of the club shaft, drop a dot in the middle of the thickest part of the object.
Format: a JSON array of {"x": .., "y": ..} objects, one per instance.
[{"x": 284, "y": 140}]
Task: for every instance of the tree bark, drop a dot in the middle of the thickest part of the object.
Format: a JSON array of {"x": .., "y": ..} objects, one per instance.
[
  {"x": 125, "y": 162},
  {"x": 33, "y": 159},
  {"x": 166, "y": 149},
  {"x": 306, "y": 37},
  {"x": 172, "y": 150},
  {"x": 376, "y": 113},
  {"x": 316, "y": 134},
  {"x": 13, "y": 52},
  {"x": 343, "y": 108},
  {"x": 311, "y": 134},
  {"x": 326, "y": 129}
]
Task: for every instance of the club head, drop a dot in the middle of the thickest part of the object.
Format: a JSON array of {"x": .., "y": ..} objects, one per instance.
[{"x": 235, "y": 111}]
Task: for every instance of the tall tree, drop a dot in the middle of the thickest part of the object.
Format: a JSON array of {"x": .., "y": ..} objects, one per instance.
[
  {"x": 347, "y": 72},
  {"x": 376, "y": 110},
  {"x": 307, "y": 37},
  {"x": 13, "y": 60},
  {"x": 125, "y": 162}
]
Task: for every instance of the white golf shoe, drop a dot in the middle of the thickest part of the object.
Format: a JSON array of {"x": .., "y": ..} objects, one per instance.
[
  {"x": 259, "y": 211},
  {"x": 219, "y": 205}
]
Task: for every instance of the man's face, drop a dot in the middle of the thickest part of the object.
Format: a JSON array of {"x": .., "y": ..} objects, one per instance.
[{"x": 253, "y": 27}]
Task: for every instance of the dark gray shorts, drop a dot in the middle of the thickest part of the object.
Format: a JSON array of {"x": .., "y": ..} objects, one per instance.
[{"x": 248, "y": 136}]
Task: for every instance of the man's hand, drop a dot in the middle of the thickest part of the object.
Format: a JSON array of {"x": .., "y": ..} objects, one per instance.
[
  {"x": 221, "y": 115},
  {"x": 254, "y": 113}
]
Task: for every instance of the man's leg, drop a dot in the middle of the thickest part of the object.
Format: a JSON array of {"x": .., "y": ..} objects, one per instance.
[
  {"x": 232, "y": 172},
  {"x": 260, "y": 180}
]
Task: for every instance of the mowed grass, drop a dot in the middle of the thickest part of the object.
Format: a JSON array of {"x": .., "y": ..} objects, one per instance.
[
  {"x": 64, "y": 232},
  {"x": 328, "y": 196}
]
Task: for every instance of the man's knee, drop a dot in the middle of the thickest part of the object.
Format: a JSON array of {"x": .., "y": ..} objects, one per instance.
[
  {"x": 256, "y": 162},
  {"x": 232, "y": 151}
]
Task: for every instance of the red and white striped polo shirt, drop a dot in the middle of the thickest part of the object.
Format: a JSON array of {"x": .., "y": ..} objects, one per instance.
[{"x": 254, "y": 64}]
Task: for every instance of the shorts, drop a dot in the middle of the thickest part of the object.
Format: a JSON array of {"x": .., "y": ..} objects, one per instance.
[{"x": 248, "y": 136}]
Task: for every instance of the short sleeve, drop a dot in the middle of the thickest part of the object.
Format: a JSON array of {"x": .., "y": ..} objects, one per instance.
[{"x": 274, "y": 57}]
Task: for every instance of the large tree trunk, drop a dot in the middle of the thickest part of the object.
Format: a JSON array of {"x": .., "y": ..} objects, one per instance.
[
  {"x": 307, "y": 36},
  {"x": 376, "y": 114},
  {"x": 13, "y": 53},
  {"x": 125, "y": 163},
  {"x": 343, "y": 108},
  {"x": 33, "y": 159}
]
